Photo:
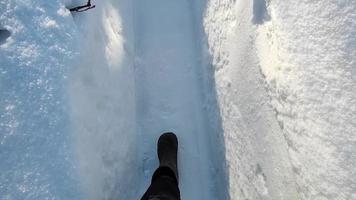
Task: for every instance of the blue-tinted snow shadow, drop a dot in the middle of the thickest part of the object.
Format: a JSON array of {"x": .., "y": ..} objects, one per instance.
[
  {"x": 36, "y": 158},
  {"x": 260, "y": 13},
  {"x": 126, "y": 185},
  {"x": 107, "y": 112},
  {"x": 213, "y": 119}
]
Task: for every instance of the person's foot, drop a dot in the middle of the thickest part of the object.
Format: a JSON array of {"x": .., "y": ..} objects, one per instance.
[{"x": 167, "y": 148}]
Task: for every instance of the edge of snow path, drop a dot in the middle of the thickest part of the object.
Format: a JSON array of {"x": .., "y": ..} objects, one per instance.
[
  {"x": 257, "y": 157},
  {"x": 102, "y": 91}
]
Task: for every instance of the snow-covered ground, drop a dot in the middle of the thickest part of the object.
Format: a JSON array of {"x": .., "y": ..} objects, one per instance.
[
  {"x": 256, "y": 152},
  {"x": 169, "y": 96},
  {"x": 102, "y": 100},
  {"x": 302, "y": 54},
  {"x": 308, "y": 55},
  {"x": 36, "y": 155},
  {"x": 260, "y": 93}
]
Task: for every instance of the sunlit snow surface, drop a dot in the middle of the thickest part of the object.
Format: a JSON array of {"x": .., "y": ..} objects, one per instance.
[
  {"x": 35, "y": 155},
  {"x": 285, "y": 73},
  {"x": 84, "y": 97}
]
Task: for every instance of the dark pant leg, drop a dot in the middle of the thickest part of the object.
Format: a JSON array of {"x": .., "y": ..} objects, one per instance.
[{"x": 164, "y": 186}]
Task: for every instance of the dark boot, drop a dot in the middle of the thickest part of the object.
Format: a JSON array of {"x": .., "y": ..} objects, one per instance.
[
  {"x": 164, "y": 183},
  {"x": 167, "y": 148}
]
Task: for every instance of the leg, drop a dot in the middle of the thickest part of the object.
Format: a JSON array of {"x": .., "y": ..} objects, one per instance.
[
  {"x": 164, "y": 186},
  {"x": 164, "y": 183}
]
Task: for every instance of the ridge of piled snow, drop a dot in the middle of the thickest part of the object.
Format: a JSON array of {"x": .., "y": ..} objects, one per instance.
[
  {"x": 102, "y": 102},
  {"x": 256, "y": 152},
  {"x": 308, "y": 55}
]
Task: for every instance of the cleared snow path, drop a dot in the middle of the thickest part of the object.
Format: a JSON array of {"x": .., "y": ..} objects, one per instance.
[{"x": 169, "y": 95}]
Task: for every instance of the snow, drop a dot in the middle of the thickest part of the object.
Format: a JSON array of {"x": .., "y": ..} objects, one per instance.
[
  {"x": 303, "y": 55},
  {"x": 311, "y": 81},
  {"x": 102, "y": 101},
  {"x": 35, "y": 151},
  {"x": 260, "y": 93},
  {"x": 169, "y": 96},
  {"x": 49, "y": 23},
  {"x": 256, "y": 152},
  {"x": 134, "y": 95}
]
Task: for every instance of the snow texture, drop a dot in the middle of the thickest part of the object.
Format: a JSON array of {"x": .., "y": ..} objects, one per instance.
[
  {"x": 37, "y": 160},
  {"x": 308, "y": 55},
  {"x": 256, "y": 152},
  {"x": 170, "y": 97},
  {"x": 102, "y": 101},
  {"x": 260, "y": 93}
]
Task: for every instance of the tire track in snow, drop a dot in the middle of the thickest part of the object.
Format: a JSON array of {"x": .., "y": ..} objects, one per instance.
[{"x": 169, "y": 97}]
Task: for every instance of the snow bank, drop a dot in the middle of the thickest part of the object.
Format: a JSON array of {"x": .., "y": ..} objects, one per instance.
[
  {"x": 285, "y": 76},
  {"x": 256, "y": 152},
  {"x": 102, "y": 101},
  {"x": 35, "y": 149},
  {"x": 308, "y": 55}
]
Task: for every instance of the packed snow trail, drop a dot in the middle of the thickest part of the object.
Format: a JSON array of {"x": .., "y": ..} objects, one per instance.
[{"x": 169, "y": 96}]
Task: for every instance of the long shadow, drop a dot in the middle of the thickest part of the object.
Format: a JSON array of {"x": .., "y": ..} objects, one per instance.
[{"x": 214, "y": 120}]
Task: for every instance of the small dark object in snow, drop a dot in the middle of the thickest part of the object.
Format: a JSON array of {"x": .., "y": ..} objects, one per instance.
[
  {"x": 82, "y": 8},
  {"x": 4, "y": 34}
]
